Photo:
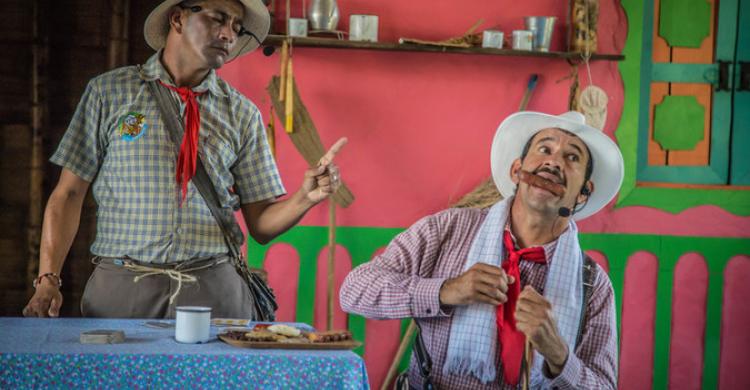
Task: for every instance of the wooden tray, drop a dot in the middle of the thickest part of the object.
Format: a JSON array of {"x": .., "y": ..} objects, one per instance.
[{"x": 348, "y": 344}]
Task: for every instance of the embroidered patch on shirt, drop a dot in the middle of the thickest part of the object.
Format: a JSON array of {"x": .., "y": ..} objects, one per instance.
[{"x": 132, "y": 126}]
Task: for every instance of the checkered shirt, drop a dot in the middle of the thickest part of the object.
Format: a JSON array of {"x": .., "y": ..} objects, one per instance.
[
  {"x": 133, "y": 174},
  {"x": 405, "y": 280}
]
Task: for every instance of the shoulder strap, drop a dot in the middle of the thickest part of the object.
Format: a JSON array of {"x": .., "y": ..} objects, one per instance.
[
  {"x": 588, "y": 283},
  {"x": 424, "y": 362},
  {"x": 224, "y": 216}
]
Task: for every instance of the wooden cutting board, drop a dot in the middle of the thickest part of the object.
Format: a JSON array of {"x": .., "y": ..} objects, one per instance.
[{"x": 348, "y": 344}]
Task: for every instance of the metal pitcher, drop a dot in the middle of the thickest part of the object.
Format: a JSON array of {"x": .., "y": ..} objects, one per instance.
[{"x": 324, "y": 15}]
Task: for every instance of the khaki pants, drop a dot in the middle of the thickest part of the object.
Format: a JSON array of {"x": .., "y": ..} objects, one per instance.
[{"x": 111, "y": 291}]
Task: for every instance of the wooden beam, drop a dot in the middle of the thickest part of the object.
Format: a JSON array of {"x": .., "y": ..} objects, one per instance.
[
  {"x": 277, "y": 40},
  {"x": 39, "y": 87},
  {"x": 305, "y": 136}
]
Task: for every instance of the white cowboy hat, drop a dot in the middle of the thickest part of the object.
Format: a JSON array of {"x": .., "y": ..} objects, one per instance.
[
  {"x": 516, "y": 130},
  {"x": 256, "y": 20}
]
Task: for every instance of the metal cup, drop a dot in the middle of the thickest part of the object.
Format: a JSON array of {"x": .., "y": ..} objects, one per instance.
[
  {"x": 192, "y": 324},
  {"x": 492, "y": 39},
  {"x": 363, "y": 28},
  {"x": 297, "y": 27},
  {"x": 522, "y": 40},
  {"x": 541, "y": 27}
]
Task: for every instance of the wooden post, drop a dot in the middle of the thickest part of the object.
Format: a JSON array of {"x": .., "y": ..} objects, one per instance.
[
  {"x": 331, "y": 258},
  {"x": 39, "y": 86},
  {"x": 399, "y": 355},
  {"x": 118, "y": 33},
  {"x": 288, "y": 15}
]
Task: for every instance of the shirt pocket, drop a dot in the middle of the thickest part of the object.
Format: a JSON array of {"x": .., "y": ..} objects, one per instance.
[{"x": 139, "y": 146}]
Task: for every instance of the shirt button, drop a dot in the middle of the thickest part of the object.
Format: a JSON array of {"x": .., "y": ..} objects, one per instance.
[
  {"x": 429, "y": 311},
  {"x": 179, "y": 230}
]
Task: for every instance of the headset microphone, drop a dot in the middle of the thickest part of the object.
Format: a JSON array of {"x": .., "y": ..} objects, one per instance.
[
  {"x": 267, "y": 50},
  {"x": 563, "y": 212}
]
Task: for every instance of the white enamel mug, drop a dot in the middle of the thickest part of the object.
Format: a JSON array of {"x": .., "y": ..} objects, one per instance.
[{"x": 193, "y": 324}]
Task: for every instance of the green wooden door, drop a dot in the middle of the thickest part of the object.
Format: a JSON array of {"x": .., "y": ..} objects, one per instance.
[
  {"x": 740, "y": 169},
  {"x": 689, "y": 104}
]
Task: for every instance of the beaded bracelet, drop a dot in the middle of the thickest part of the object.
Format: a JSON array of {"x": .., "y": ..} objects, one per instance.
[{"x": 48, "y": 275}]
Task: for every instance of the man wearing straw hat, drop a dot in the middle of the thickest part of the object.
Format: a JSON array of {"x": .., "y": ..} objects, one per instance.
[
  {"x": 158, "y": 244},
  {"x": 482, "y": 283}
]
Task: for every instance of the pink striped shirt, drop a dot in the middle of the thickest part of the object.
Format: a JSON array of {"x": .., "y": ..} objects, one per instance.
[{"x": 405, "y": 280}]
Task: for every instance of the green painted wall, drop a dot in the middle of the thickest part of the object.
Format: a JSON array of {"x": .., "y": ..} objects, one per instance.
[{"x": 362, "y": 242}]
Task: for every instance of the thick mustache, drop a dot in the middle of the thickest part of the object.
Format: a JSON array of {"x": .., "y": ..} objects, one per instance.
[{"x": 555, "y": 172}]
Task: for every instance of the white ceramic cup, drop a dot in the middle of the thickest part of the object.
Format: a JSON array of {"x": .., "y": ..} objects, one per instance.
[
  {"x": 193, "y": 324},
  {"x": 297, "y": 27},
  {"x": 492, "y": 39},
  {"x": 523, "y": 40},
  {"x": 363, "y": 28}
]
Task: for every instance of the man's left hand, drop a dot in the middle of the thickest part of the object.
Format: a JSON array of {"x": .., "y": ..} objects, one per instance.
[
  {"x": 534, "y": 319},
  {"x": 324, "y": 179}
]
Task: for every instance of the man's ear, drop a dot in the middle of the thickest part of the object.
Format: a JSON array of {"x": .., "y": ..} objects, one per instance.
[
  {"x": 175, "y": 19},
  {"x": 586, "y": 192},
  {"x": 514, "y": 169}
]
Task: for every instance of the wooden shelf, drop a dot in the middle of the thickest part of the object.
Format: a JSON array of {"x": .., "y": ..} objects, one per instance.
[{"x": 276, "y": 40}]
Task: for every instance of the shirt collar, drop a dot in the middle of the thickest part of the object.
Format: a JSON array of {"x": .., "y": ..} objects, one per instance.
[
  {"x": 549, "y": 248},
  {"x": 154, "y": 70}
]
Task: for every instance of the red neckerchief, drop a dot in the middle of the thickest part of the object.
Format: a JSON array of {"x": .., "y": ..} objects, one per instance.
[
  {"x": 511, "y": 340},
  {"x": 186, "y": 161}
]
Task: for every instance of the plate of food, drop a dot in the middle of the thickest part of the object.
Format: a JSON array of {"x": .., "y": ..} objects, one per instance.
[{"x": 281, "y": 336}]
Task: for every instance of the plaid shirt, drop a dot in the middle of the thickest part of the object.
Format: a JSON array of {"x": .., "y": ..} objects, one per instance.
[
  {"x": 133, "y": 168},
  {"x": 405, "y": 280}
]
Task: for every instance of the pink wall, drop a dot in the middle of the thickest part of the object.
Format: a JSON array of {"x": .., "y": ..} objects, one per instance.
[{"x": 420, "y": 126}]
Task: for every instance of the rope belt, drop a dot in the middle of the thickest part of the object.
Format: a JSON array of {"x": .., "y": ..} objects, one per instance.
[{"x": 176, "y": 273}]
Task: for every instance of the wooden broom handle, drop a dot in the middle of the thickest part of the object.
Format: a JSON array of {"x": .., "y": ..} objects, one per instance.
[{"x": 331, "y": 258}]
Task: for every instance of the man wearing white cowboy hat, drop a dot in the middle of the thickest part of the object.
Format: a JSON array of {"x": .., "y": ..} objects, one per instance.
[
  {"x": 158, "y": 244},
  {"x": 482, "y": 282}
]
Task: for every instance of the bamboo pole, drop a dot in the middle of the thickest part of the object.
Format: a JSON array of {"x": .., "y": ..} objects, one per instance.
[
  {"x": 39, "y": 85},
  {"x": 282, "y": 72},
  {"x": 405, "y": 341},
  {"x": 526, "y": 363},
  {"x": 289, "y": 108},
  {"x": 331, "y": 258}
]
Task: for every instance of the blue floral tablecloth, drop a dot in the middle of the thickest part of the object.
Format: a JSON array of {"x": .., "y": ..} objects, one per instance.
[{"x": 47, "y": 353}]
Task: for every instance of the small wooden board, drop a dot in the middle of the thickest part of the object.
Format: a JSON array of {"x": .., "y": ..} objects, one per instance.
[
  {"x": 348, "y": 344},
  {"x": 102, "y": 336}
]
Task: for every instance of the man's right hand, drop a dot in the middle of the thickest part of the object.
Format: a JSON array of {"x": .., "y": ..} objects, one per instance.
[
  {"x": 482, "y": 283},
  {"x": 46, "y": 301}
]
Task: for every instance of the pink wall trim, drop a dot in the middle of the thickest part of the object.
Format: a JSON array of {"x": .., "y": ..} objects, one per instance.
[
  {"x": 382, "y": 341},
  {"x": 342, "y": 266},
  {"x": 688, "y": 323},
  {"x": 282, "y": 267},
  {"x": 638, "y": 310},
  {"x": 600, "y": 259},
  {"x": 734, "y": 326}
]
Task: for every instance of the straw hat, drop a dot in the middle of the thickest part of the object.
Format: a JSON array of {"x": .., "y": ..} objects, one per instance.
[
  {"x": 256, "y": 20},
  {"x": 516, "y": 130}
]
